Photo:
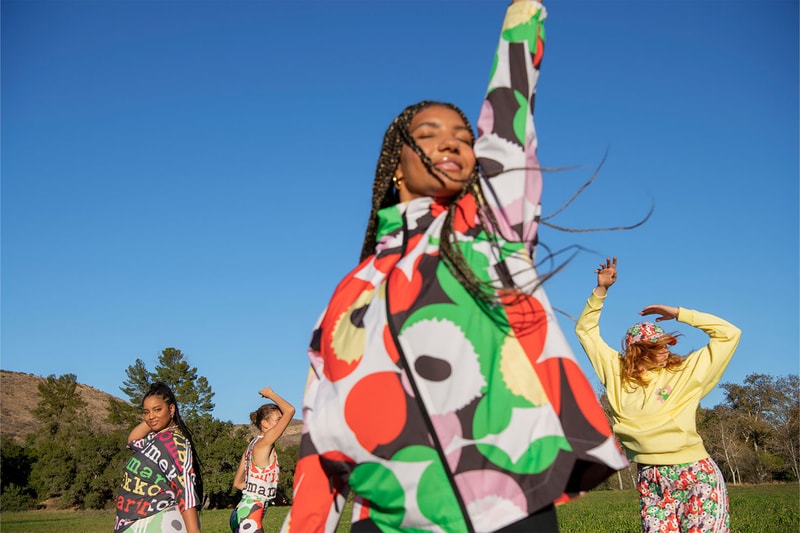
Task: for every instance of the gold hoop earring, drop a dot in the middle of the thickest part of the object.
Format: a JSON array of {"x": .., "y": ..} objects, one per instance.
[{"x": 397, "y": 181}]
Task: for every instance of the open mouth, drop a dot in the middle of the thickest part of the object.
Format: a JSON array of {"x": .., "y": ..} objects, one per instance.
[{"x": 448, "y": 165}]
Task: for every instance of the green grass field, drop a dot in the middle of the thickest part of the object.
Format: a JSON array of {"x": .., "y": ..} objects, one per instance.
[{"x": 754, "y": 509}]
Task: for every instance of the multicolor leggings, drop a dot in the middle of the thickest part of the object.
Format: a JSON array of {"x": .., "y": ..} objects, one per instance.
[
  {"x": 170, "y": 519},
  {"x": 247, "y": 516},
  {"x": 686, "y": 498}
]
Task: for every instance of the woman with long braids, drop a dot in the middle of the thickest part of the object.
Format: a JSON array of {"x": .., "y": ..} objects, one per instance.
[
  {"x": 442, "y": 392},
  {"x": 161, "y": 485}
]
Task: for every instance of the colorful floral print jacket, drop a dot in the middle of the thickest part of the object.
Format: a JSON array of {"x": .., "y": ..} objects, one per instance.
[{"x": 442, "y": 413}]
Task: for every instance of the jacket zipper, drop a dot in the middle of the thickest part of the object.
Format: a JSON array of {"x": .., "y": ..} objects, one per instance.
[{"x": 426, "y": 417}]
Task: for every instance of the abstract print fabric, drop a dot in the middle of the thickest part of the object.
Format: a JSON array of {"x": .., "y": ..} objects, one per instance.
[
  {"x": 442, "y": 412},
  {"x": 260, "y": 486},
  {"x": 159, "y": 477}
]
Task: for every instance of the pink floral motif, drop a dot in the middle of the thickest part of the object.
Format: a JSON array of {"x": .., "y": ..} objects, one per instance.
[
  {"x": 687, "y": 497},
  {"x": 663, "y": 393}
]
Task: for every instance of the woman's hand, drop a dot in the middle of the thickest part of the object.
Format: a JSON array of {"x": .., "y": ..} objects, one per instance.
[
  {"x": 667, "y": 312},
  {"x": 266, "y": 392},
  {"x": 606, "y": 276}
]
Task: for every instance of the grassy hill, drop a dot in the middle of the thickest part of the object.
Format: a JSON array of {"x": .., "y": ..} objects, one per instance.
[{"x": 19, "y": 396}]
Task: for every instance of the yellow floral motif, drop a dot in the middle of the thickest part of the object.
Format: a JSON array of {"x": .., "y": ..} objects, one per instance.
[{"x": 518, "y": 373}]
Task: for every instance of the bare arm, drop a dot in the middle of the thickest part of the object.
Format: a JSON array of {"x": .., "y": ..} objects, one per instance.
[
  {"x": 286, "y": 408},
  {"x": 262, "y": 451},
  {"x": 191, "y": 520},
  {"x": 139, "y": 432},
  {"x": 240, "y": 478},
  {"x": 667, "y": 312}
]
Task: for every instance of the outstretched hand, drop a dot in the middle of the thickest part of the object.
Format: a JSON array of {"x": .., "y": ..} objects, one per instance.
[
  {"x": 667, "y": 312},
  {"x": 266, "y": 392},
  {"x": 606, "y": 275}
]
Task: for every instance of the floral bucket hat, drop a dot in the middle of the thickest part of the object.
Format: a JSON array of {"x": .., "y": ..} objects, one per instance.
[{"x": 645, "y": 331}]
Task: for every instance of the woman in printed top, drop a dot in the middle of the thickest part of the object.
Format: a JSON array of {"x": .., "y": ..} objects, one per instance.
[
  {"x": 161, "y": 486},
  {"x": 257, "y": 476},
  {"x": 654, "y": 395},
  {"x": 441, "y": 390}
]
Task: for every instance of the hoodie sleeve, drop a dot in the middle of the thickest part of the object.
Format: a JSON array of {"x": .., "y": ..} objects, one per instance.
[
  {"x": 605, "y": 360},
  {"x": 708, "y": 363}
]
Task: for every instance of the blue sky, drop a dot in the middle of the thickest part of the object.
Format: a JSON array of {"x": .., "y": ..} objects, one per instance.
[{"x": 197, "y": 174}]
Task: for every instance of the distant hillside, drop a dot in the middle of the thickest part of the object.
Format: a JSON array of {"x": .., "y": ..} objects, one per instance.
[{"x": 19, "y": 396}]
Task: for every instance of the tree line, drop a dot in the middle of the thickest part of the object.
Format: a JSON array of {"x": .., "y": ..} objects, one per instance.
[
  {"x": 73, "y": 463},
  {"x": 753, "y": 435}
]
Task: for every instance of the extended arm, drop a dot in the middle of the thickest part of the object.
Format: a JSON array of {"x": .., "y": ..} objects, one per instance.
[
  {"x": 287, "y": 411},
  {"x": 604, "y": 359},
  {"x": 708, "y": 363},
  {"x": 263, "y": 448},
  {"x": 606, "y": 276},
  {"x": 667, "y": 312},
  {"x": 506, "y": 145}
]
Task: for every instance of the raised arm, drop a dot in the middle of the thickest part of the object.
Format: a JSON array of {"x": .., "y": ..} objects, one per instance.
[
  {"x": 708, "y": 363},
  {"x": 604, "y": 359},
  {"x": 606, "y": 276},
  {"x": 667, "y": 312},
  {"x": 287, "y": 411},
  {"x": 506, "y": 145}
]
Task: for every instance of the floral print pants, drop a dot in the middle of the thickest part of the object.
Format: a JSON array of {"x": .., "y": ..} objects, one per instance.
[{"x": 686, "y": 498}]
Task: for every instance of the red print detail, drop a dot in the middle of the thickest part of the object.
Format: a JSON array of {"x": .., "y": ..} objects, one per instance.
[
  {"x": 529, "y": 322},
  {"x": 466, "y": 212},
  {"x": 404, "y": 291},
  {"x": 388, "y": 342},
  {"x": 537, "y": 57},
  {"x": 587, "y": 403},
  {"x": 340, "y": 308},
  {"x": 375, "y": 409},
  {"x": 385, "y": 262}
]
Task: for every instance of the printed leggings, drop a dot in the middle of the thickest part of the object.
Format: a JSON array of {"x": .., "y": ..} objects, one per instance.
[
  {"x": 168, "y": 520},
  {"x": 248, "y": 515},
  {"x": 686, "y": 498}
]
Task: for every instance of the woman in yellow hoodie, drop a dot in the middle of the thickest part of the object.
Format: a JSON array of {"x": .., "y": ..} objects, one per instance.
[{"x": 654, "y": 395}]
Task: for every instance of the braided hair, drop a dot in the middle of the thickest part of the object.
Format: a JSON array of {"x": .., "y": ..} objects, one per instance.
[
  {"x": 162, "y": 390},
  {"x": 384, "y": 194}
]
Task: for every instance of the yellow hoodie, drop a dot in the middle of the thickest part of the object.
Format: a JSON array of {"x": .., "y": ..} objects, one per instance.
[{"x": 656, "y": 424}]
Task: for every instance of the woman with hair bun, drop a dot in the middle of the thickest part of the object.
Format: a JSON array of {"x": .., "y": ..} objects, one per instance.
[{"x": 257, "y": 476}]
